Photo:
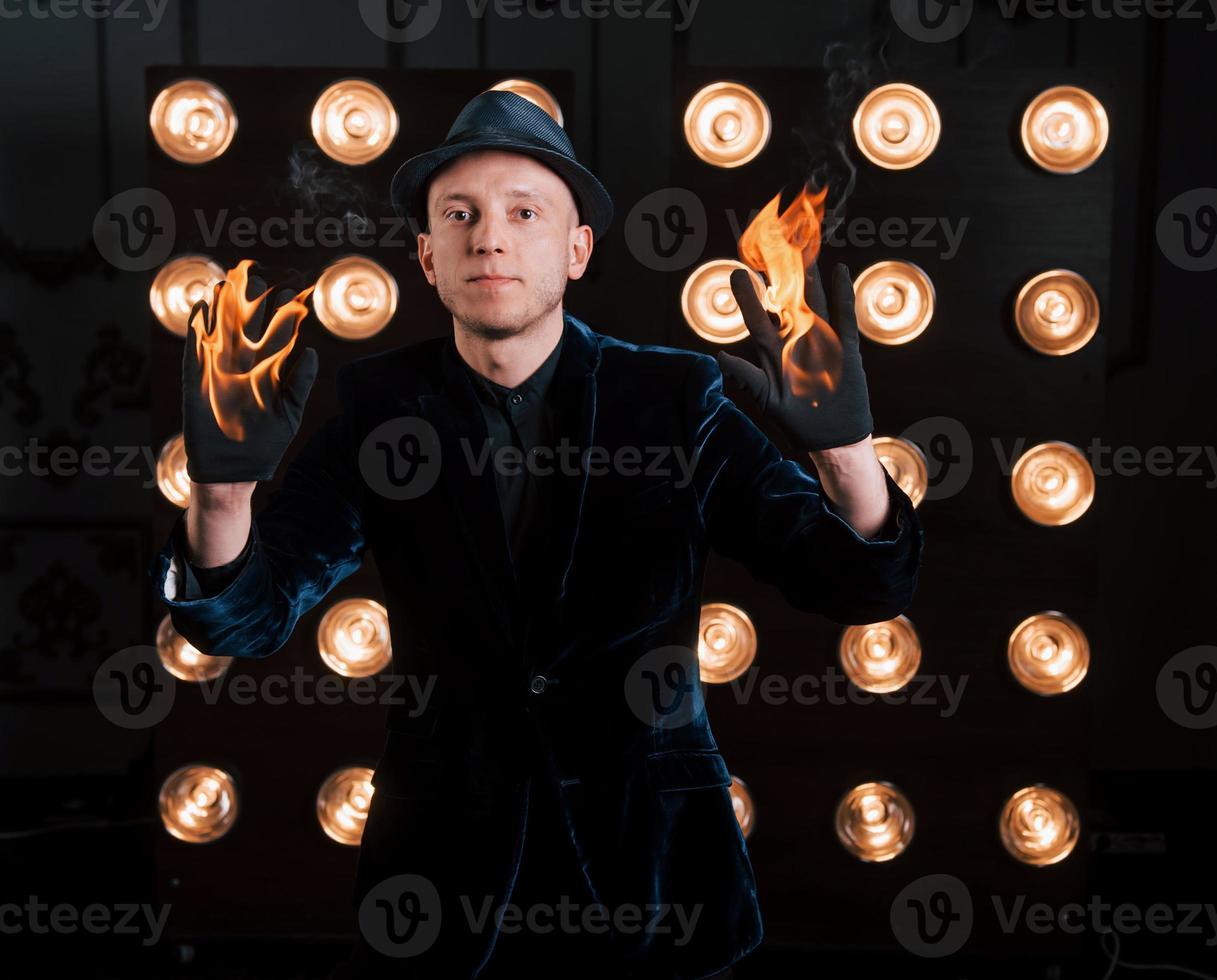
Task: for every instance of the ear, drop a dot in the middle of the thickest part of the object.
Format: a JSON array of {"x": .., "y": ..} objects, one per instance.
[
  {"x": 425, "y": 258},
  {"x": 580, "y": 251}
]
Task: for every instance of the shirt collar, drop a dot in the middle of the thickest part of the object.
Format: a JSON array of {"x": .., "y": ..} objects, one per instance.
[{"x": 532, "y": 389}]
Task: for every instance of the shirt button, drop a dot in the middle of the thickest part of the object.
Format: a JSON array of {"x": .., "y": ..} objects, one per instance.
[
  {"x": 538, "y": 685},
  {"x": 516, "y": 398}
]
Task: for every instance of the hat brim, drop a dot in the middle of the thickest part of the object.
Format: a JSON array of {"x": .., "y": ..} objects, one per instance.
[{"x": 406, "y": 188}]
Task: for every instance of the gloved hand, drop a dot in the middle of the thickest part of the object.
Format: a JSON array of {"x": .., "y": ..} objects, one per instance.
[
  {"x": 211, "y": 455},
  {"x": 842, "y": 416}
]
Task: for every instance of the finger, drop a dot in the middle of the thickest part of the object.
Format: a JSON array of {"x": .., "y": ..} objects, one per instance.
[
  {"x": 756, "y": 318},
  {"x": 255, "y": 287},
  {"x": 747, "y": 375},
  {"x": 299, "y": 382},
  {"x": 194, "y": 396},
  {"x": 190, "y": 360},
  {"x": 266, "y": 314},
  {"x": 846, "y": 318},
  {"x": 819, "y": 301}
]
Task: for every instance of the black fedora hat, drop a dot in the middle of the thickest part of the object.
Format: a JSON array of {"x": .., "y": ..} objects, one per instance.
[{"x": 498, "y": 120}]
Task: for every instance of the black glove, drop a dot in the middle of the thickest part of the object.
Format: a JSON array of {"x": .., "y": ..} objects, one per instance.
[
  {"x": 842, "y": 416},
  {"x": 213, "y": 457}
]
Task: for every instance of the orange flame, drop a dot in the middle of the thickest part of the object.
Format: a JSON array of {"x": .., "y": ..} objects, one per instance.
[
  {"x": 784, "y": 247},
  {"x": 236, "y": 375}
]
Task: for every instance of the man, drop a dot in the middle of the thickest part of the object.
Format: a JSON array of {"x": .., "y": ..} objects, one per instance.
[{"x": 548, "y": 600}]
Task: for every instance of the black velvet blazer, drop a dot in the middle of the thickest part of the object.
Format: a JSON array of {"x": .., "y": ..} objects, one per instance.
[{"x": 569, "y": 674}]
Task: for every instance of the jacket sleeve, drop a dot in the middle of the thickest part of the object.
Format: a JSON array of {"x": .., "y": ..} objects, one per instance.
[
  {"x": 307, "y": 539},
  {"x": 768, "y": 513}
]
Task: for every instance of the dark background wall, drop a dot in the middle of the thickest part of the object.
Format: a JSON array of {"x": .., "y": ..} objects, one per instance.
[{"x": 83, "y": 363}]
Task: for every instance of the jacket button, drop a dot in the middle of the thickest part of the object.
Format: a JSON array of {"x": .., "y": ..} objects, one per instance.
[{"x": 538, "y": 685}]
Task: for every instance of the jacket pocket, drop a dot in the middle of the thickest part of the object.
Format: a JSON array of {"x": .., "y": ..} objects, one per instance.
[{"x": 684, "y": 769}]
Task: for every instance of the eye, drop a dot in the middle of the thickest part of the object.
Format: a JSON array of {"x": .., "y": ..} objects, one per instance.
[
  {"x": 456, "y": 211},
  {"x": 527, "y": 211}
]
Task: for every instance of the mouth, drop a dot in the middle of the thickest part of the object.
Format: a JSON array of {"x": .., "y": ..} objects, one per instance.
[{"x": 492, "y": 280}]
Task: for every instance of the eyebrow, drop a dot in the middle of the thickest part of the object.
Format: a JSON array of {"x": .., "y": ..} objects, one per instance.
[{"x": 513, "y": 192}]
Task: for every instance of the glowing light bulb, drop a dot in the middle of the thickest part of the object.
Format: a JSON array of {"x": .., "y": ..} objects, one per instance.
[
  {"x": 726, "y": 643},
  {"x": 897, "y": 126},
  {"x": 1065, "y": 129},
  {"x": 727, "y": 124},
  {"x": 874, "y": 822},
  {"x": 192, "y": 121}
]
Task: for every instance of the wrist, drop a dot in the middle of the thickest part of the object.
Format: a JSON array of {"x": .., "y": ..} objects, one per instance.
[
  {"x": 844, "y": 457},
  {"x": 222, "y": 497}
]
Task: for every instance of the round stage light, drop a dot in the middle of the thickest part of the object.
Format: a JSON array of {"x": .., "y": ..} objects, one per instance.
[
  {"x": 1048, "y": 653},
  {"x": 1052, "y": 484},
  {"x": 1057, "y": 312},
  {"x": 534, "y": 92},
  {"x": 880, "y": 657},
  {"x": 171, "y": 475},
  {"x": 353, "y": 638},
  {"x": 343, "y": 802},
  {"x": 874, "y": 822},
  {"x": 894, "y": 302},
  {"x": 897, "y": 126},
  {"x": 905, "y": 463},
  {"x": 727, "y": 124},
  {"x": 198, "y": 803},
  {"x": 1039, "y": 825},
  {"x": 1065, "y": 129},
  {"x": 353, "y": 121},
  {"x": 180, "y": 283},
  {"x": 709, "y": 305},
  {"x": 355, "y": 297},
  {"x": 726, "y": 643},
  {"x": 182, "y": 660},
  {"x": 741, "y": 803},
  {"x": 192, "y": 120}
]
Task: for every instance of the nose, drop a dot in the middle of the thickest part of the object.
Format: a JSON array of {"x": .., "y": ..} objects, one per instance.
[{"x": 489, "y": 233}]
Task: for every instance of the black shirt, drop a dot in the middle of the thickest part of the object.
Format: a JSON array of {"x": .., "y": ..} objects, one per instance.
[{"x": 522, "y": 417}]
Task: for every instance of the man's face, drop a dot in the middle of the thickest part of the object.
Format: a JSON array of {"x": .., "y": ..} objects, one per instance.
[{"x": 504, "y": 239}]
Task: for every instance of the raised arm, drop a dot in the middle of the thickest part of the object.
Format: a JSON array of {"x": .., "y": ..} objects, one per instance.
[
  {"x": 238, "y": 417},
  {"x": 770, "y": 514}
]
